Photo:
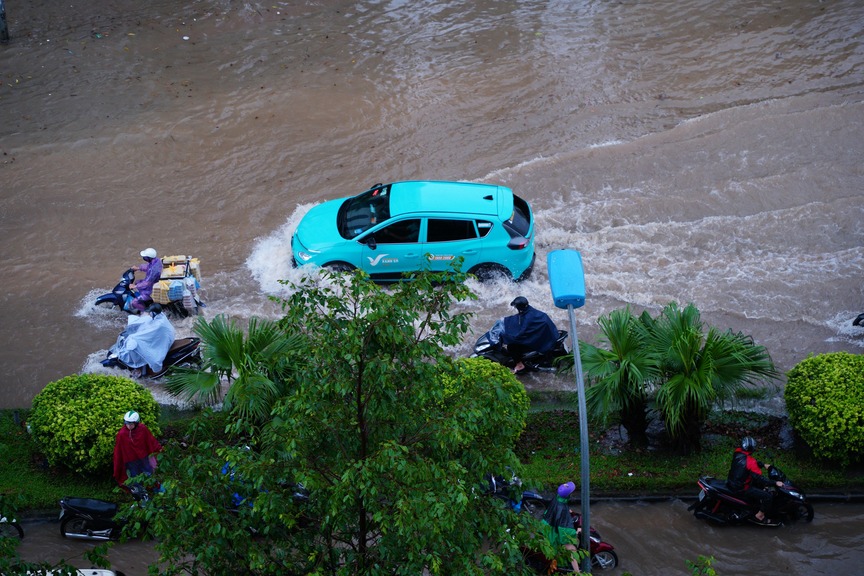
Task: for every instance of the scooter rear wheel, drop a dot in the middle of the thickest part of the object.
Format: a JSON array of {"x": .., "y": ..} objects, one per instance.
[
  {"x": 605, "y": 560},
  {"x": 11, "y": 530},
  {"x": 74, "y": 526}
]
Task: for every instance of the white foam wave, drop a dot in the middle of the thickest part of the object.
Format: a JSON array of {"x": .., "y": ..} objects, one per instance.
[
  {"x": 102, "y": 317},
  {"x": 270, "y": 260}
]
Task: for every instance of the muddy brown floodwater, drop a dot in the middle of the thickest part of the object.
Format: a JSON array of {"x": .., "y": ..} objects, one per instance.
[
  {"x": 650, "y": 538},
  {"x": 704, "y": 151}
]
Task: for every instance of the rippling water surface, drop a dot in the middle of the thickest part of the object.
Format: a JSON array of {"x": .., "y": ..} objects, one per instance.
[{"x": 705, "y": 152}]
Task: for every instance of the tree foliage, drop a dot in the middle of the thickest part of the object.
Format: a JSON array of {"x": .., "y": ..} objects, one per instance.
[
  {"x": 390, "y": 438},
  {"x": 74, "y": 420},
  {"x": 825, "y": 398}
]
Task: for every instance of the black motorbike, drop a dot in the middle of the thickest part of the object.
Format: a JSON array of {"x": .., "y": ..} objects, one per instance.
[
  {"x": 185, "y": 352},
  {"x": 489, "y": 346},
  {"x": 122, "y": 295},
  {"x": 718, "y": 504},
  {"x": 517, "y": 499},
  {"x": 92, "y": 519}
]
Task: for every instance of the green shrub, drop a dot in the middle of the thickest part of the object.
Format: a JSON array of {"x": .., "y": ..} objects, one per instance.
[
  {"x": 825, "y": 400},
  {"x": 74, "y": 420},
  {"x": 488, "y": 383}
]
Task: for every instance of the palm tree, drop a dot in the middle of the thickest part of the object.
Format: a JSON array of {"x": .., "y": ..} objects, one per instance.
[
  {"x": 700, "y": 369},
  {"x": 257, "y": 365},
  {"x": 620, "y": 376}
]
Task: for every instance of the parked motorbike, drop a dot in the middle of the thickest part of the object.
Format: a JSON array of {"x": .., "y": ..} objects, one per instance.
[
  {"x": 122, "y": 294},
  {"x": 518, "y": 499},
  {"x": 10, "y": 528},
  {"x": 92, "y": 519},
  {"x": 603, "y": 555},
  {"x": 489, "y": 346},
  {"x": 718, "y": 504},
  {"x": 184, "y": 352}
]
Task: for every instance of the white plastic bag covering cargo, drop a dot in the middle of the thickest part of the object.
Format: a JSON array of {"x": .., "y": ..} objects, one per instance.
[{"x": 146, "y": 340}]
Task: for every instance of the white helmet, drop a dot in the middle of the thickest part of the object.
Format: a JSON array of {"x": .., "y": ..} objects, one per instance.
[
  {"x": 131, "y": 417},
  {"x": 148, "y": 253}
]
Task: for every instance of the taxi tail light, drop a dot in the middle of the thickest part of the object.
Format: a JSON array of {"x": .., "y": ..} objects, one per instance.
[{"x": 517, "y": 243}]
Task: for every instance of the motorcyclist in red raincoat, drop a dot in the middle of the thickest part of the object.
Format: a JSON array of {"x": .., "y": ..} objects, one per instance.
[
  {"x": 745, "y": 478},
  {"x": 134, "y": 449}
]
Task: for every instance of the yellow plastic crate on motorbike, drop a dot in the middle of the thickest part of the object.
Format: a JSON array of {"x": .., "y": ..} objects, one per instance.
[
  {"x": 175, "y": 269},
  {"x": 178, "y": 267}
]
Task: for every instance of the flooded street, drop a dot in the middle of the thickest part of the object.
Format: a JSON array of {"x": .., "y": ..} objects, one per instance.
[
  {"x": 704, "y": 152},
  {"x": 651, "y": 539}
]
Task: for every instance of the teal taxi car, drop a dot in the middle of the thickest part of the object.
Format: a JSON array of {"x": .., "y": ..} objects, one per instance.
[{"x": 402, "y": 227}]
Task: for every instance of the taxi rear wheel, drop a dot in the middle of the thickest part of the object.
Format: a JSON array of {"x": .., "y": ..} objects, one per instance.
[{"x": 487, "y": 272}]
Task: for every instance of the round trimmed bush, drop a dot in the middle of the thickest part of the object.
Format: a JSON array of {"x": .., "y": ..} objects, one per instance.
[
  {"x": 74, "y": 420},
  {"x": 825, "y": 400},
  {"x": 476, "y": 384}
]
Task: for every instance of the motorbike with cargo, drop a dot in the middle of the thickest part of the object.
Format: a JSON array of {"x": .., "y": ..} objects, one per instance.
[{"x": 177, "y": 291}]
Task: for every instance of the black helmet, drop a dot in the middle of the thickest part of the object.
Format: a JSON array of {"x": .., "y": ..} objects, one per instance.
[
  {"x": 748, "y": 444},
  {"x": 520, "y": 302}
]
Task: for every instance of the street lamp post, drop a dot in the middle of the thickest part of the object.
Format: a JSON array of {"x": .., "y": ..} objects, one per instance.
[{"x": 567, "y": 280}]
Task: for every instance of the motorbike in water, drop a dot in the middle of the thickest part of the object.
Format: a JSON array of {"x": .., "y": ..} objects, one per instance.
[
  {"x": 121, "y": 297},
  {"x": 185, "y": 352},
  {"x": 489, "y": 346},
  {"x": 719, "y": 505},
  {"x": 603, "y": 555},
  {"x": 95, "y": 520}
]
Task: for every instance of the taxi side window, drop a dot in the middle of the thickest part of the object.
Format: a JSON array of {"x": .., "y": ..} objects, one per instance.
[
  {"x": 483, "y": 227},
  {"x": 445, "y": 230},
  {"x": 402, "y": 232}
]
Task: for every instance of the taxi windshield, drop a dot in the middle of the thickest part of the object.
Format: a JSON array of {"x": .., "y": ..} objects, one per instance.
[{"x": 364, "y": 211}]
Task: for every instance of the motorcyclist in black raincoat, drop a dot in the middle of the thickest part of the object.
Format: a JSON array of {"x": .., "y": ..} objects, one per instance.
[{"x": 528, "y": 330}]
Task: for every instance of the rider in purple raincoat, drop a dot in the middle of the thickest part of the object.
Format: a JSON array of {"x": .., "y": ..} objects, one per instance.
[{"x": 152, "y": 268}]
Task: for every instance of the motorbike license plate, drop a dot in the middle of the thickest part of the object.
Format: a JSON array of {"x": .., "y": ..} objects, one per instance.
[{"x": 701, "y": 495}]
